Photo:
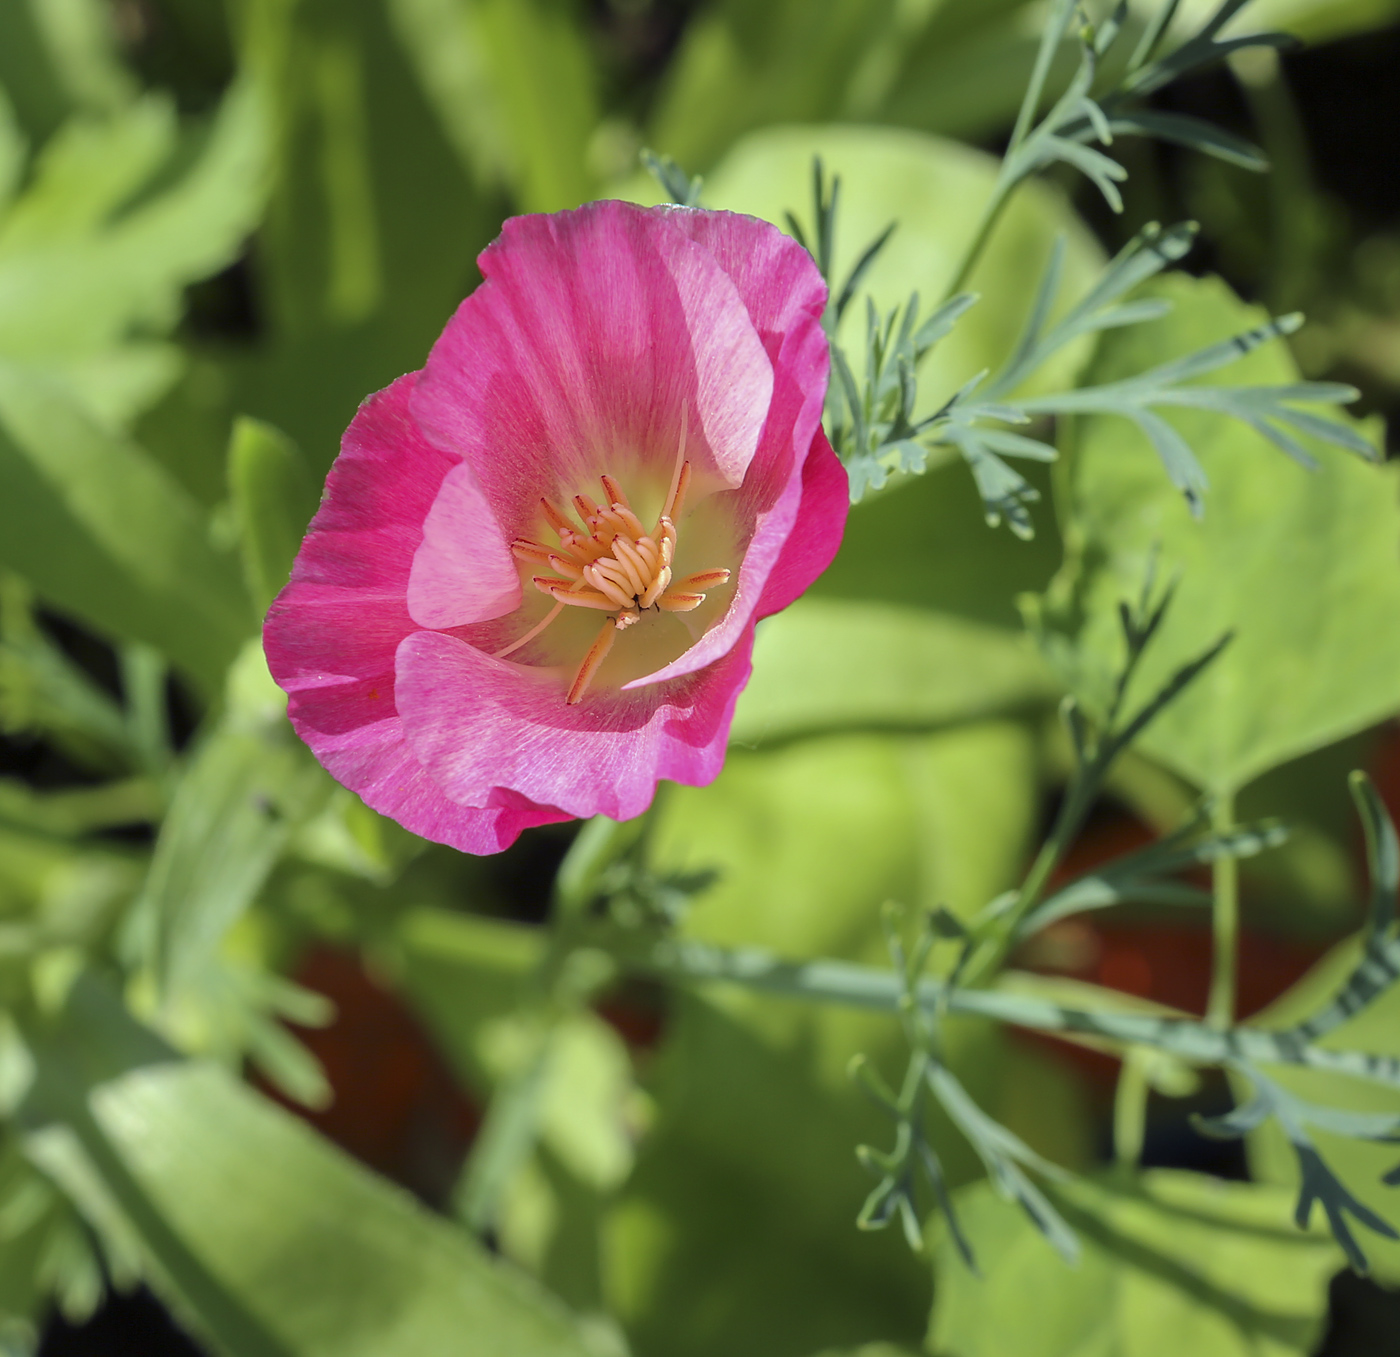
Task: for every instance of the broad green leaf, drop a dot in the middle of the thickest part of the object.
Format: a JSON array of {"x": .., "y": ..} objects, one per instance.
[
  {"x": 1359, "y": 1164},
  {"x": 461, "y": 971},
  {"x": 513, "y": 82},
  {"x": 101, "y": 531},
  {"x": 366, "y": 178},
  {"x": 868, "y": 1350},
  {"x": 245, "y": 791},
  {"x": 742, "y": 66},
  {"x": 1301, "y": 565},
  {"x": 832, "y": 665},
  {"x": 272, "y": 503},
  {"x": 1175, "y": 1263},
  {"x": 736, "y": 1233},
  {"x": 1311, "y": 20},
  {"x": 926, "y": 544},
  {"x": 82, "y": 43},
  {"x": 86, "y": 259},
  {"x": 310, "y": 1253},
  {"x": 934, "y": 190}
]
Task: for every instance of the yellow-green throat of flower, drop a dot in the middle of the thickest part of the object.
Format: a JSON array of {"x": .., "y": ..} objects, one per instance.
[{"x": 614, "y": 565}]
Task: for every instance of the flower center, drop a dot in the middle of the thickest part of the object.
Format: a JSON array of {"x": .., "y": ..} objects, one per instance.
[{"x": 614, "y": 565}]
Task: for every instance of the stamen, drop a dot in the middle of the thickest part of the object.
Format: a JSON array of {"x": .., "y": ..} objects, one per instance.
[
  {"x": 636, "y": 566},
  {"x": 613, "y": 565},
  {"x": 607, "y": 587},
  {"x": 570, "y": 569},
  {"x": 657, "y": 587},
  {"x": 673, "y": 505},
  {"x": 531, "y": 634},
  {"x": 597, "y": 653},
  {"x": 555, "y": 518},
  {"x": 702, "y": 580},
  {"x": 614, "y": 493},
  {"x": 525, "y": 550},
  {"x": 584, "y": 599}
]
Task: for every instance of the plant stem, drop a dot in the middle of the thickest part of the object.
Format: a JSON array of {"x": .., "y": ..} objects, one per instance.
[
  {"x": 1026, "y": 1002},
  {"x": 1130, "y": 1109},
  {"x": 1225, "y": 923},
  {"x": 991, "y": 215}
]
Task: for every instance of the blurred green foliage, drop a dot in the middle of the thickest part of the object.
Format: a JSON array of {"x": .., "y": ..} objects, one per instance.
[{"x": 220, "y": 228}]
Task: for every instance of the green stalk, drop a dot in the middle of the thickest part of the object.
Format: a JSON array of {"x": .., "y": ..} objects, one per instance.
[
  {"x": 991, "y": 215},
  {"x": 1225, "y": 923},
  {"x": 1130, "y": 1109}
]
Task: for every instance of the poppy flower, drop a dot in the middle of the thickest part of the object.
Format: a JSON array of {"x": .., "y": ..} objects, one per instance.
[{"x": 531, "y": 588}]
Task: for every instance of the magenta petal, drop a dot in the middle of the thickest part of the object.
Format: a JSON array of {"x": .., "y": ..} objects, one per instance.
[
  {"x": 481, "y": 726},
  {"x": 773, "y": 491},
  {"x": 599, "y": 339},
  {"x": 463, "y": 570},
  {"x": 821, "y": 521},
  {"x": 777, "y": 279},
  {"x": 594, "y": 334},
  {"x": 377, "y": 762},
  {"x": 331, "y": 634}
]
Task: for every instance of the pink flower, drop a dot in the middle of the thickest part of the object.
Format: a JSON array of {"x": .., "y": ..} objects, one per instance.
[{"x": 530, "y": 591}]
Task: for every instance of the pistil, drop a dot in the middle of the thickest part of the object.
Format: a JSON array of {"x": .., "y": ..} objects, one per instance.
[{"x": 614, "y": 566}]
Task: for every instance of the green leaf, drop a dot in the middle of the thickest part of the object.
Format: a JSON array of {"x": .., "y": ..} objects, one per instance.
[
  {"x": 513, "y": 83},
  {"x": 933, "y": 190},
  {"x": 370, "y": 203},
  {"x": 1311, "y": 20},
  {"x": 275, "y": 1242},
  {"x": 102, "y": 531},
  {"x": 1359, "y": 1164},
  {"x": 1300, "y": 565},
  {"x": 86, "y": 259},
  {"x": 272, "y": 502},
  {"x": 828, "y": 664},
  {"x": 757, "y": 1119},
  {"x": 1174, "y": 1263},
  {"x": 246, "y": 790}
]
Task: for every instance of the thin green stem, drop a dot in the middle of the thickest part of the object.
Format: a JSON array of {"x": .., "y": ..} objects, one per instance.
[
  {"x": 1130, "y": 1109},
  {"x": 1026, "y": 1003},
  {"x": 991, "y": 215},
  {"x": 1225, "y": 923}
]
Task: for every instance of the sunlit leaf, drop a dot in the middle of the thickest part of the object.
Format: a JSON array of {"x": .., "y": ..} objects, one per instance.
[
  {"x": 1174, "y": 1263},
  {"x": 1300, "y": 565}
]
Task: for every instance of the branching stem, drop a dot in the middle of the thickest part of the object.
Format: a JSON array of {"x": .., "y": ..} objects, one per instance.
[{"x": 1225, "y": 923}]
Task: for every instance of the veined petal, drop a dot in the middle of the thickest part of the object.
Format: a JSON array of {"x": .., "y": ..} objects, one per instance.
[
  {"x": 463, "y": 570},
  {"x": 481, "y": 725},
  {"x": 774, "y": 498},
  {"x": 596, "y": 337}
]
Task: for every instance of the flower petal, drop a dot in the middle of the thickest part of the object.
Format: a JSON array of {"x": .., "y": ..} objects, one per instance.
[
  {"x": 481, "y": 726},
  {"x": 777, "y": 279},
  {"x": 821, "y": 521},
  {"x": 463, "y": 570},
  {"x": 773, "y": 496},
  {"x": 594, "y": 334},
  {"x": 331, "y": 634}
]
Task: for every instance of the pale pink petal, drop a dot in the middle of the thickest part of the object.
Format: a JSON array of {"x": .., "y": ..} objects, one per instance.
[
  {"x": 480, "y": 725},
  {"x": 594, "y": 334},
  {"x": 344, "y": 613},
  {"x": 777, "y": 279},
  {"x": 376, "y": 762},
  {"x": 772, "y": 497},
  {"x": 463, "y": 570}
]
